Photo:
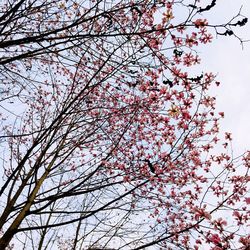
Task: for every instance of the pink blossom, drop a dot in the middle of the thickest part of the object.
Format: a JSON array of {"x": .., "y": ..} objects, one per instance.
[
  {"x": 215, "y": 238},
  {"x": 247, "y": 200}
]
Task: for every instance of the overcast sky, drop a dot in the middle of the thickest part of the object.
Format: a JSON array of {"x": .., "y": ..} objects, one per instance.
[{"x": 232, "y": 64}]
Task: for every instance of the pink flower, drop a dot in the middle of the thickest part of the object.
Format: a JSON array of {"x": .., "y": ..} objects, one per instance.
[
  {"x": 221, "y": 114},
  {"x": 200, "y": 23},
  {"x": 247, "y": 200},
  {"x": 215, "y": 238},
  {"x": 245, "y": 241},
  {"x": 228, "y": 136}
]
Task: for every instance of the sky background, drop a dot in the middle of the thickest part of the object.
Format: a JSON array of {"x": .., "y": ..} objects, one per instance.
[{"x": 226, "y": 58}]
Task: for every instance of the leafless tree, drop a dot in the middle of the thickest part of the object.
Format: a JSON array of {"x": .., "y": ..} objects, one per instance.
[{"x": 102, "y": 135}]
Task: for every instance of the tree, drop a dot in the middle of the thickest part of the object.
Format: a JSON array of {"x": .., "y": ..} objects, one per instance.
[{"x": 108, "y": 133}]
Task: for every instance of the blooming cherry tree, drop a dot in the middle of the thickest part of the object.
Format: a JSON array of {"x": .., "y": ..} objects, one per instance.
[{"x": 110, "y": 139}]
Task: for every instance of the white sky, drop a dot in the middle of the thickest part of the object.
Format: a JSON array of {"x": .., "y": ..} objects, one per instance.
[{"x": 232, "y": 64}]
